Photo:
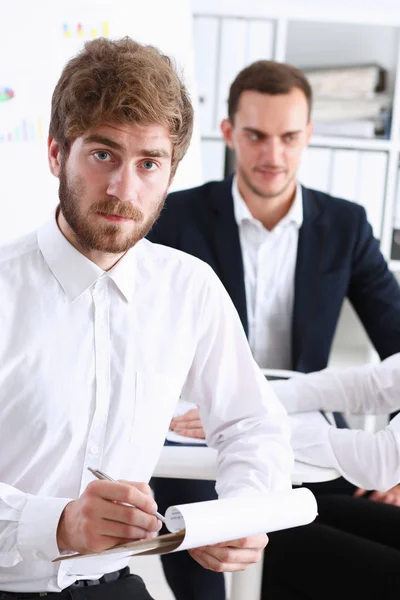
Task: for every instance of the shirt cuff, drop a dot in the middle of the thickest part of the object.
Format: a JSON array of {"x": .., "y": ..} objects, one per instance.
[
  {"x": 37, "y": 528},
  {"x": 312, "y": 444}
]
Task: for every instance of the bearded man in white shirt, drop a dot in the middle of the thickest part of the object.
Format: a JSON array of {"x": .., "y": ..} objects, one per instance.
[{"x": 88, "y": 310}]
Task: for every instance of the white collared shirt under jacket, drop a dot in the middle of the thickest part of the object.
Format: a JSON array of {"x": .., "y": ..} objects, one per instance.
[
  {"x": 269, "y": 264},
  {"x": 369, "y": 460},
  {"x": 92, "y": 364}
]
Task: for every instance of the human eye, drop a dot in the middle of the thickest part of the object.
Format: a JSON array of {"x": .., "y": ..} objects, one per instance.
[
  {"x": 253, "y": 136},
  {"x": 149, "y": 165},
  {"x": 290, "y": 137},
  {"x": 102, "y": 155}
]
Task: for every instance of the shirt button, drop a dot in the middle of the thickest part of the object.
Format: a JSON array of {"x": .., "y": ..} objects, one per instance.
[{"x": 94, "y": 450}]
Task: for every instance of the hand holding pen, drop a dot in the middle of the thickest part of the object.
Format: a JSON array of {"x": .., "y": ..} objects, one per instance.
[
  {"x": 107, "y": 514},
  {"x": 101, "y": 475}
]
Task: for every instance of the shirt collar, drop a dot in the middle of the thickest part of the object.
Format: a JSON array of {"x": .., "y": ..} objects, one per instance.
[
  {"x": 76, "y": 273},
  {"x": 242, "y": 213}
]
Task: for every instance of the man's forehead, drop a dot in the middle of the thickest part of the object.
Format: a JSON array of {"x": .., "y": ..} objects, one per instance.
[
  {"x": 283, "y": 112},
  {"x": 120, "y": 136}
]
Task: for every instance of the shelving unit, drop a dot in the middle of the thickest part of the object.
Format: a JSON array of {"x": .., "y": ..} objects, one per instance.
[{"x": 345, "y": 33}]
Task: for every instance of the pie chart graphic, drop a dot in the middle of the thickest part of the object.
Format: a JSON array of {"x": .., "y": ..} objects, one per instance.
[{"x": 6, "y": 94}]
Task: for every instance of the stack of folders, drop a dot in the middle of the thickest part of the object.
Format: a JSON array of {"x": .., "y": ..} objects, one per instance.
[{"x": 350, "y": 101}]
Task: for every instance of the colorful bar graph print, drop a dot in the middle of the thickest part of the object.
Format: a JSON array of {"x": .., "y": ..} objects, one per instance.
[
  {"x": 27, "y": 130},
  {"x": 86, "y": 31}
]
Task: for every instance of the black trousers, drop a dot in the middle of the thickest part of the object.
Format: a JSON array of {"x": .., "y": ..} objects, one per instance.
[
  {"x": 352, "y": 550},
  {"x": 127, "y": 587}
]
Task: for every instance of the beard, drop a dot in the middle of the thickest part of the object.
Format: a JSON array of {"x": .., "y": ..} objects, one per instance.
[{"x": 103, "y": 237}]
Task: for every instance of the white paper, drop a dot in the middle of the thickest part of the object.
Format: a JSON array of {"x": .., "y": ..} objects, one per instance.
[{"x": 218, "y": 521}]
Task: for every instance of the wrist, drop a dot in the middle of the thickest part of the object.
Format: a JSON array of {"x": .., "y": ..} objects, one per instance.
[{"x": 63, "y": 529}]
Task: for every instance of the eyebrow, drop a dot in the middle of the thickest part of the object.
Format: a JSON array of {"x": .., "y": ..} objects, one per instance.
[
  {"x": 105, "y": 141},
  {"x": 262, "y": 134}
]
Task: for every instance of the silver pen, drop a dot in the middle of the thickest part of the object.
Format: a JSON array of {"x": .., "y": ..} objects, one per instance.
[{"x": 100, "y": 475}]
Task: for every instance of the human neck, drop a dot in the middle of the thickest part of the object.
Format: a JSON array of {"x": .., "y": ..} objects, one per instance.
[{"x": 269, "y": 211}]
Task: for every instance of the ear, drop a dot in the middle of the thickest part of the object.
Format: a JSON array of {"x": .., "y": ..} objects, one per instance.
[
  {"x": 226, "y": 128},
  {"x": 309, "y": 131},
  {"x": 54, "y": 156}
]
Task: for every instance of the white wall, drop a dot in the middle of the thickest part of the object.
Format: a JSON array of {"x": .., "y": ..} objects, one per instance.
[{"x": 33, "y": 50}]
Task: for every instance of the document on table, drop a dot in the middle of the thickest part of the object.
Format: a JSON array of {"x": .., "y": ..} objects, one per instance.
[{"x": 203, "y": 523}]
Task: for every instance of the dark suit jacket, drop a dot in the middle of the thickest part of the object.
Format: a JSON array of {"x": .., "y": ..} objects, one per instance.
[{"x": 337, "y": 256}]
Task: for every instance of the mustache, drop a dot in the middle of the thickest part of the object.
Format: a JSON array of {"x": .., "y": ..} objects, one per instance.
[{"x": 112, "y": 206}]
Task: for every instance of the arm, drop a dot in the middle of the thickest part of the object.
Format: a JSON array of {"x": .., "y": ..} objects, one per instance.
[
  {"x": 34, "y": 527},
  {"x": 241, "y": 416},
  {"x": 369, "y": 460},
  {"x": 366, "y": 389},
  {"x": 242, "y": 419}
]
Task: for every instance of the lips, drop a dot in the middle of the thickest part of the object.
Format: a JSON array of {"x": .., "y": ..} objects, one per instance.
[{"x": 114, "y": 217}]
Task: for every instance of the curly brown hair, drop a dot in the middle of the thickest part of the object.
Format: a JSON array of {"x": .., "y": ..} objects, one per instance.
[
  {"x": 124, "y": 82},
  {"x": 268, "y": 77}
]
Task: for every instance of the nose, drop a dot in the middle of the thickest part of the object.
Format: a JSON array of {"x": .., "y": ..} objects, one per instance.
[
  {"x": 124, "y": 184},
  {"x": 272, "y": 151}
]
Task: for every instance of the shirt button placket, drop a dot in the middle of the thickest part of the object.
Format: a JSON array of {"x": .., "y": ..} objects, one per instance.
[{"x": 97, "y": 430}]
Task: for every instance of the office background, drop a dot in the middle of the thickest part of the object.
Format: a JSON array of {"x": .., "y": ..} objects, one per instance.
[{"x": 354, "y": 154}]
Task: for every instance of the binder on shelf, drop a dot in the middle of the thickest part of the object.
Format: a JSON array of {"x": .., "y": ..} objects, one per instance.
[
  {"x": 232, "y": 59},
  {"x": 372, "y": 187},
  {"x": 345, "y": 174},
  {"x": 206, "y": 34},
  {"x": 213, "y": 159},
  {"x": 315, "y": 168}
]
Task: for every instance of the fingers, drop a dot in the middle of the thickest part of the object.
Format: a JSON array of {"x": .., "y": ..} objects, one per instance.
[
  {"x": 123, "y": 492},
  {"x": 195, "y": 433},
  {"x": 187, "y": 420},
  {"x": 237, "y": 555},
  {"x": 130, "y": 516},
  {"x": 390, "y": 497},
  {"x": 106, "y": 514},
  {"x": 188, "y": 424},
  {"x": 359, "y": 492}
]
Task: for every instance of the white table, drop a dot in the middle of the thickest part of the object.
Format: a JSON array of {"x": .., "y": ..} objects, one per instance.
[{"x": 199, "y": 462}]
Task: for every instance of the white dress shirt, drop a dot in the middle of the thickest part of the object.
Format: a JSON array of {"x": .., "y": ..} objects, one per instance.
[
  {"x": 269, "y": 261},
  {"x": 92, "y": 364},
  {"x": 369, "y": 460}
]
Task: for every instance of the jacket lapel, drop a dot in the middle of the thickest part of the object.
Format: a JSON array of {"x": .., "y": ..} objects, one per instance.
[
  {"x": 311, "y": 252},
  {"x": 227, "y": 248}
]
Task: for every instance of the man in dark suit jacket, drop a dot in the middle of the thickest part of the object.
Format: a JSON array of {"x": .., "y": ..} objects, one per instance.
[{"x": 337, "y": 257}]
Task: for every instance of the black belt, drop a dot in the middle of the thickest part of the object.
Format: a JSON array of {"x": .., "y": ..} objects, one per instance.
[{"x": 107, "y": 578}]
